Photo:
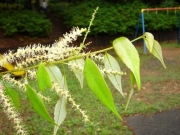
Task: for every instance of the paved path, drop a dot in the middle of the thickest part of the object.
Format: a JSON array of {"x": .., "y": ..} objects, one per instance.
[{"x": 164, "y": 123}]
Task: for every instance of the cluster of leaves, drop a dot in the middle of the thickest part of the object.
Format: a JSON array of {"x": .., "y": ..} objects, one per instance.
[
  {"x": 28, "y": 22},
  {"x": 47, "y": 74},
  {"x": 165, "y": 21},
  {"x": 40, "y": 63},
  {"x": 118, "y": 17}
]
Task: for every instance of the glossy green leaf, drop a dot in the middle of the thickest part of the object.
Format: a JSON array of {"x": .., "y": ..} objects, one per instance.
[
  {"x": 38, "y": 104},
  {"x": 54, "y": 73},
  {"x": 129, "y": 55},
  {"x": 149, "y": 39},
  {"x": 98, "y": 85},
  {"x": 43, "y": 77},
  {"x": 79, "y": 74},
  {"x": 13, "y": 95},
  {"x": 157, "y": 52},
  {"x": 110, "y": 63}
]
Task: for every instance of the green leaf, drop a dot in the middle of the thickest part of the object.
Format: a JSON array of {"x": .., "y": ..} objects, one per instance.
[
  {"x": 63, "y": 84},
  {"x": 111, "y": 63},
  {"x": 98, "y": 85},
  {"x": 149, "y": 40},
  {"x": 43, "y": 77},
  {"x": 157, "y": 52},
  {"x": 38, "y": 104},
  {"x": 79, "y": 74},
  {"x": 13, "y": 95},
  {"x": 59, "y": 113},
  {"x": 132, "y": 78},
  {"x": 129, "y": 55},
  {"x": 54, "y": 73},
  {"x": 60, "y": 108}
]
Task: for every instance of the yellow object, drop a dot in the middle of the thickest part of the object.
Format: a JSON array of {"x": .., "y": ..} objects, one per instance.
[{"x": 10, "y": 67}]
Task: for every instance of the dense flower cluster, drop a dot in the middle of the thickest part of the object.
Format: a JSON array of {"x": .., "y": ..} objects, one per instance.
[{"x": 33, "y": 54}]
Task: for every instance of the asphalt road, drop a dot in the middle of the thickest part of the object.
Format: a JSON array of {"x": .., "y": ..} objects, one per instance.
[{"x": 163, "y": 123}]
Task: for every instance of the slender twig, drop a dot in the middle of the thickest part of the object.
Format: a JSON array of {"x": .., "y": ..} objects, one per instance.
[{"x": 67, "y": 59}]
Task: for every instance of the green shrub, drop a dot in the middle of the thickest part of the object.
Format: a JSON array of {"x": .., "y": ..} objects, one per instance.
[
  {"x": 161, "y": 21},
  {"x": 112, "y": 18},
  {"x": 117, "y": 17},
  {"x": 58, "y": 7},
  {"x": 26, "y": 22}
]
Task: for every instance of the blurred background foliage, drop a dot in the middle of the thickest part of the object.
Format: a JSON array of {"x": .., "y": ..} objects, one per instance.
[
  {"x": 25, "y": 22},
  {"x": 113, "y": 17},
  {"x": 116, "y": 16}
]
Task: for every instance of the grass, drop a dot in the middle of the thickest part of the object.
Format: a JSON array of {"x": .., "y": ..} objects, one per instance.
[
  {"x": 170, "y": 44},
  {"x": 158, "y": 93}
]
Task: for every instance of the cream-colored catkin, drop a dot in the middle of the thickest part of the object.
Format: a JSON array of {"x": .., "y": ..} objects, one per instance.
[
  {"x": 17, "y": 83},
  {"x": 11, "y": 113},
  {"x": 66, "y": 93},
  {"x": 33, "y": 54},
  {"x": 77, "y": 107},
  {"x": 44, "y": 97}
]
